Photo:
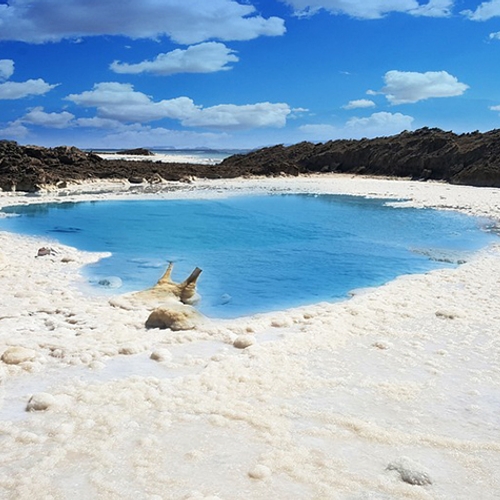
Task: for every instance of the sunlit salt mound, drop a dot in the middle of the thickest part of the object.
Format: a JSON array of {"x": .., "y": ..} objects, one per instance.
[{"x": 257, "y": 253}]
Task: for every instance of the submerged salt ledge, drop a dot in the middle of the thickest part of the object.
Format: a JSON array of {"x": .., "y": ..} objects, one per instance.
[{"x": 319, "y": 406}]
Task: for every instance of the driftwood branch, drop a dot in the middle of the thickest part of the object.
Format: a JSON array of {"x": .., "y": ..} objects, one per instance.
[{"x": 168, "y": 289}]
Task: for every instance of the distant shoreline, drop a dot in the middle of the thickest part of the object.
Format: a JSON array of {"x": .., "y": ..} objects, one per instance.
[
  {"x": 425, "y": 154},
  {"x": 163, "y": 157}
]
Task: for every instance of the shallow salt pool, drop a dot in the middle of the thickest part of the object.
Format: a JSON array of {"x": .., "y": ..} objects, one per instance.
[{"x": 258, "y": 253}]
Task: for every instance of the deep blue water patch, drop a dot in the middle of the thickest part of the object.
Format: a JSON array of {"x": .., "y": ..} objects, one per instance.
[{"x": 258, "y": 253}]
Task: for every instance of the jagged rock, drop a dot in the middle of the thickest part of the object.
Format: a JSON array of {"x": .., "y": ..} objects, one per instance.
[
  {"x": 136, "y": 151},
  {"x": 28, "y": 168},
  {"x": 425, "y": 154},
  {"x": 472, "y": 158}
]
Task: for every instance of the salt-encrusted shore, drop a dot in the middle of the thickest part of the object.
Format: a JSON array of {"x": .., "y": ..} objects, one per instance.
[{"x": 393, "y": 394}]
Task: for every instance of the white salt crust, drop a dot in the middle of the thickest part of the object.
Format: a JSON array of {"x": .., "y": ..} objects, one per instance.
[{"x": 320, "y": 404}]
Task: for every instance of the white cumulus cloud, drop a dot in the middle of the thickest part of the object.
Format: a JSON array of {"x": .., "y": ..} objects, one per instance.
[
  {"x": 434, "y": 8},
  {"x": 319, "y": 131},
  {"x": 99, "y": 123},
  {"x": 120, "y": 102},
  {"x": 495, "y": 36},
  {"x": 185, "y": 22},
  {"x": 37, "y": 116},
  {"x": 372, "y": 9},
  {"x": 6, "y": 68},
  {"x": 262, "y": 114},
  {"x": 495, "y": 108},
  {"x": 139, "y": 136},
  {"x": 408, "y": 87},
  {"x": 379, "y": 124},
  {"x": 110, "y": 94},
  {"x": 206, "y": 57},
  {"x": 359, "y": 103},
  {"x": 376, "y": 125},
  {"x": 18, "y": 90},
  {"x": 484, "y": 11},
  {"x": 14, "y": 130}
]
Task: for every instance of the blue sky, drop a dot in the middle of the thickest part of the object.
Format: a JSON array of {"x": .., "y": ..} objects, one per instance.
[{"x": 244, "y": 73}]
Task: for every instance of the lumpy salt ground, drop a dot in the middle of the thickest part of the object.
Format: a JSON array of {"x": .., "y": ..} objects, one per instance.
[{"x": 392, "y": 394}]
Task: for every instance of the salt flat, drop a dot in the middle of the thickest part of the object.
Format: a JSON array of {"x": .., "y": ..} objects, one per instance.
[{"x": 391, "y": 394}]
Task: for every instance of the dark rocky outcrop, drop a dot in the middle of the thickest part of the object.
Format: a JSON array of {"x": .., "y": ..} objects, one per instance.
[
  {"x": 472, "y": 158},
  {"x": 28, "y": 168},
  {"x": 136, "y": 151},
  {"x": 424, "y": 154}
]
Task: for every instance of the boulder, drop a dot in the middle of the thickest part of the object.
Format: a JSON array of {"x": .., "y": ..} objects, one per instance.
[
  {"x": 135, "y": 151},
  {"x": 174, "y": 317}
]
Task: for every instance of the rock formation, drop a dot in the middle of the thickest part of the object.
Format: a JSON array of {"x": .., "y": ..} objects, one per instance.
[
  {"x": 166, "y": 289},
  {"x": 170, "y": 303},
  {"x": 30, "y": 167},
  {"x": 472, "y": 158},
  {"x": 135, "y": 151}
]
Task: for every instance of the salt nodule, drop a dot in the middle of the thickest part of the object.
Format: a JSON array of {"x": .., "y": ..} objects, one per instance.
[
  {"x": 161, "y": 355},
  {"x": 40, "y": 402},
  {"x": 16, "y": 355},
  {"x": 259, "y": 472},
  {"x": 243, "y": 341}
]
